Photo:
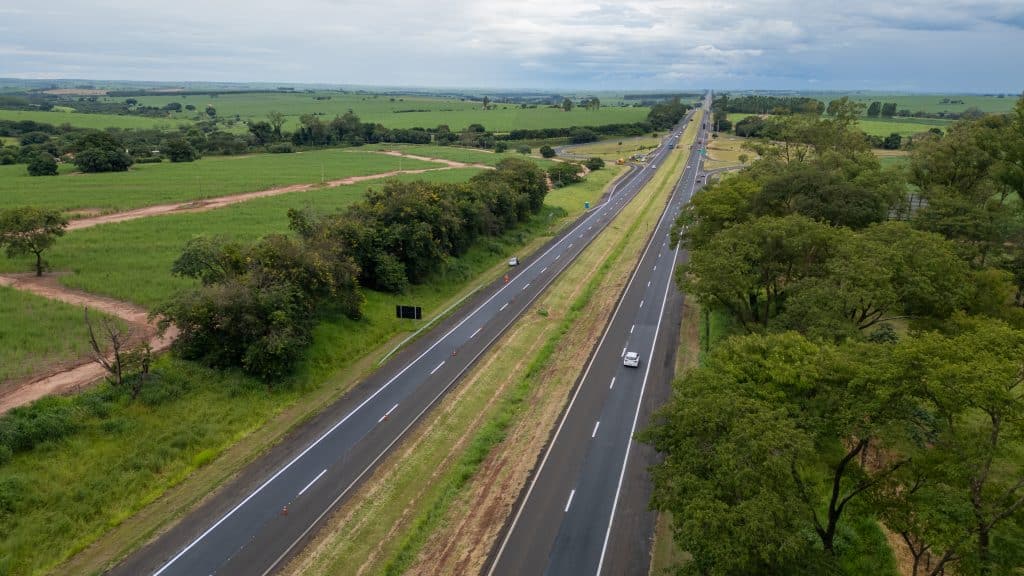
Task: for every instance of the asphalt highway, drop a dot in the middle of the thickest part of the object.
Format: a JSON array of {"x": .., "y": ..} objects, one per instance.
[
  {"x": 585, "y": 509},
  {"x": 267, "y": 512}
]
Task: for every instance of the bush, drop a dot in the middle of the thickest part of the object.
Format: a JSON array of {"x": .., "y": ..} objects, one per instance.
[
  {"x": 149, "y": 160},
  {"x": 100, "y": 152},
  {"x": 524, "y": 149},
  {"x": 179, "y": 150},
  {"x": 547, "y": 151},
  {"x": 281, "y": 148},
  {"x": 42, "y": 165},
  {"x": 564, "y": 173},
  {"x": 500, "y": 146},
  {"x": 594, "y": 163}
]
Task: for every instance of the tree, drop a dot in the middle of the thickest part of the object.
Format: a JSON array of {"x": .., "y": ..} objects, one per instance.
[
  {"x": 523, "y": 149},
  {"x": 892, "y": 141},
  {"x": 125, "y": 362},
  {"x": 30, "y": 230},
  {"x": 487, "y": 102},
  {"x": 262, "y": 132},
  {"x": 42, "y": 165},
  {"x": 547, "y": 151},
  {"x": 179, "y": 150},
  {"x": 594, "y": 163},
  {"x": 888, "y": 110},
  {"x": 766, "y": 442},
  {"x": 567, "y": 104},
  {"x": 276, "y": 120},
  {"x": 211, "y": 111},
  {"x": 874, "y": 109},
  {"x": 500, "y": 147},
  {"x": 564, "y": 174},
  {"x": 100, "y": 152}
]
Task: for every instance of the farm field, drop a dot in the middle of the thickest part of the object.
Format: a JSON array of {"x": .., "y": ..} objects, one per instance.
[
  {"x": 883, "y": 127},
  {"x": 36, "y": 333},
  {"x": 104, "y": 262},
  {"x": 458, "y": 154},
  {"x": 78, "y": 486},
  {"x": 394, "y": 111},
  {"x": 613, "y": 149},
  {"x": 151, "y": 184},
  {"x": 96, "y": 121}
]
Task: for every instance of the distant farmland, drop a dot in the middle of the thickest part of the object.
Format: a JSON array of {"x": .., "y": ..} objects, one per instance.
[
  {"x": 96, "y": 121},
  {"x": 394, "y": 111}
]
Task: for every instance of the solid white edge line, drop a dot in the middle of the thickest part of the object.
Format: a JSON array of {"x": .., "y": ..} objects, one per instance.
[
  {"x": 596, "y": 426},
  {"x": 636, "y": 415},
  {"x": 569, "y": 502},
  {"x": 436, "y": 368},
  {"x": 572, "y": 401},
  {"x": 303, "y": 491}
]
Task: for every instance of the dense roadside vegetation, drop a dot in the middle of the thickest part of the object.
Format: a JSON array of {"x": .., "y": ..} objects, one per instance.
[{"x": 874, "y": 374}]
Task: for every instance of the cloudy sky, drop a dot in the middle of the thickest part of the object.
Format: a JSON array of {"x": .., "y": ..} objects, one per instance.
[{"x": 925, "y": 45}]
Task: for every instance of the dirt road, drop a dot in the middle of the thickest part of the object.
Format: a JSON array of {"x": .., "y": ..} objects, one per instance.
[{"x": 64, "y": 379}]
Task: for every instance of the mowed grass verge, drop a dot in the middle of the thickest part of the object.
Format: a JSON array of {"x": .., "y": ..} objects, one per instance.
[
  {"x": 121, "y": 456},
  {"x": 166, "y": 182},
  {"x": 415, "y": 496},
  {"x": 612, "y": 149},
  {"x": 37, "y": 334}
]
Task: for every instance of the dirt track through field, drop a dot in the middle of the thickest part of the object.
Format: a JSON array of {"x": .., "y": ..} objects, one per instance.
[
  {"x": 64, "y": 379},
  {"x": 222, "y": 201}
]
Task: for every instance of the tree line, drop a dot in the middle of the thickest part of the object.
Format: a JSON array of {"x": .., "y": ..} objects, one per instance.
[
  {"x": 258, "y": 303},
  {"x": 875, "y": 374}
]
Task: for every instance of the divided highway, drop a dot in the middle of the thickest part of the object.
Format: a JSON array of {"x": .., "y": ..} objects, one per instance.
[
  {"x": 265, "y": 514},
  {"x": 585, "y": 507}
]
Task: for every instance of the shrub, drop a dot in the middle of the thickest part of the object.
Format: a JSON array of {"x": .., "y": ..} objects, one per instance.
[
  {"x": 42, "y": 165},
  {"x": 564, "y": 173},
  {"x": 594, "y": 163},
  {"x": 149, "y": 160},
  {"x": 500, "y": 146},
  {"x": 524, "y": 149},
  {"x": 179, "y": 150},
  {"x": 281, "y": 148},
  {"x": 547, "y": 151}
]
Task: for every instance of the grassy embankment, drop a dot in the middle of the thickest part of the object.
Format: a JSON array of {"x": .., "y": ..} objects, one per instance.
[
  {"x": 91, "y": 479},
  {"x": 37, "y": 333},
  {"x": 416, "y": 500},
  {"x": 459, "y": 154},
  {"x": 615, "y": 148},
  {"x": 152, "y": 184}
]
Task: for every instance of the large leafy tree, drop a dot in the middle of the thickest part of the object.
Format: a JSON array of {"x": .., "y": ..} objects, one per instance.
[
  {"x": 101, "y": 152},
  {"x": 30, "y": 230}
]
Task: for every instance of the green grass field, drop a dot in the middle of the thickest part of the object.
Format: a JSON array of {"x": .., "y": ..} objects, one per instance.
[
  {"x": 150, "y": 184},
  {"x": 394, "y": 112},
  {"x": 458, "y": 154},
  {"x": 97, "y": 121},
  {"x": 124, "y": 455},
  {"x": 615, "y": 148},
  {"x": 36, "y": 333},
  {"x": 883, "y": 127}
]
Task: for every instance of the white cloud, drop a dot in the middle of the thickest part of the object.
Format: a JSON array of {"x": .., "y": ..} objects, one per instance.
[{"x": 539, "y": 43}]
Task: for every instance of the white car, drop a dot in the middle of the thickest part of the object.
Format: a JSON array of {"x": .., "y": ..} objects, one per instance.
[
  {"x": 631, "y": 359},
  {"x": 513, "y": 261}
]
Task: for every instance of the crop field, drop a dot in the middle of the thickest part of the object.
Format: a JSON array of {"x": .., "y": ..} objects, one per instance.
[
  {"x": 36, "y": 332},
  {"x": 132, "y": 260},
  {"x": 883, "y": 127},
  {"x": 96, "y": 121},
  {"x": 77, "y": 487},
  {"x": 396, "y": 111},
  {"x": 458, "y": 154},
  {"x": 151, "y": 184},
  {"x": 613, "y": 149}
]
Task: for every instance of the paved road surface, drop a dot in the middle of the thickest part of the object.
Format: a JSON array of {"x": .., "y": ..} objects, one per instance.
[
  {"x": 585, "y": 511},
  {"x": 243, "y": 529}
]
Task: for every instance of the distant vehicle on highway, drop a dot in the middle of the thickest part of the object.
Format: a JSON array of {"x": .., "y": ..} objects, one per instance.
[
  {"x": 513, "y": 261},
  {"x": 631, "y": 359}
]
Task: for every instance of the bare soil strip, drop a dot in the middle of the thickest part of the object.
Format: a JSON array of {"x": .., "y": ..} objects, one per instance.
[
  {"x": 222, "y": 201},
  {"x": 450, "y": 163},
  {"x": 64, "y": 379}
]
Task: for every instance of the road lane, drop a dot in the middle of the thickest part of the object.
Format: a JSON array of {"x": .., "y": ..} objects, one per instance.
[{"x": 542, "y": 540}]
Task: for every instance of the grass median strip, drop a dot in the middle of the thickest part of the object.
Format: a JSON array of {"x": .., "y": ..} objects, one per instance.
[{"x": 425, "y": 487}]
